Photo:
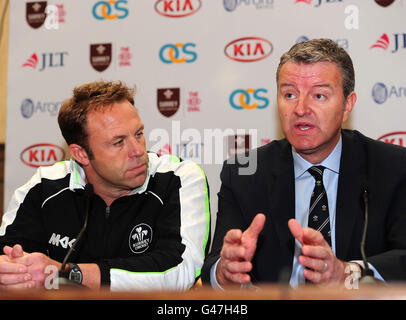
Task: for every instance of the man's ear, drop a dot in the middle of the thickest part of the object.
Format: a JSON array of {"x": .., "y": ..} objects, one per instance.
[
  {"x": 349, "y": 105},
  {"x": 79, "y": 154}
]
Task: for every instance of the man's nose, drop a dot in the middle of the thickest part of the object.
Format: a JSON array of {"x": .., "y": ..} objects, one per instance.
[
  {"x": 136, "y": 147},
  {"x": 302, "y": 107}
]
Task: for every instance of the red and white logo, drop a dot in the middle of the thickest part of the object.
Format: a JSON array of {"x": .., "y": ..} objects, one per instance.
[
  {"x": 248, "y": 49},
  {"x": 193, "y": 103},
  {"x": 177, "y": 8},
  {"x": 42, "y": 154},
  {"x": 305, "y": 1},
  {"x": 397, "y": 137},
  {"x": 31, "y": 62},
  {"x": 382, "y": 42},
  {"x": 125, "y": 57}
]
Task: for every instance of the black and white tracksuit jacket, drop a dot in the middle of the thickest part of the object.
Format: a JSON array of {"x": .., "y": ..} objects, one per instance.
[{"x": 155, "y": 238}]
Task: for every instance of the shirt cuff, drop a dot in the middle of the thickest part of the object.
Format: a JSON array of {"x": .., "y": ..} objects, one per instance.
[
  {"x": 377, "y": 275},
  {"x": 213, "y": 279}
]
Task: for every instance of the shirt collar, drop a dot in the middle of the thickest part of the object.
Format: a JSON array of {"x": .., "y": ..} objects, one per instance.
[{"x": 332, "y": 162}]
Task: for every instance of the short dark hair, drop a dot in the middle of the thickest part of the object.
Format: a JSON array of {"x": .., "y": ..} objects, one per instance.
[
  {"x": 88, "y": 97},
  {"x": 318, "y": 50}
]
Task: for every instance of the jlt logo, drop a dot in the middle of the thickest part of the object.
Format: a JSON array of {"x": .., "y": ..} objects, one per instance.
[
  {"x": 48, "y": 60},
  {"x": 242, "y": 99},
  {"x": 178, "y": 53},
  {"x": 319, "y": 2},
  {"x": 383, "y": 42},
  {"x": 110, "y": 10}
]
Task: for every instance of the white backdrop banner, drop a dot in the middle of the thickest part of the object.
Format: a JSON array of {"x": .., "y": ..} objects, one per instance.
[{"x": 204, "y": 71}]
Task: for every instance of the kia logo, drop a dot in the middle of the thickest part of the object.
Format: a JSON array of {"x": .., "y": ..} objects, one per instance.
[
  {"x": 248, "y": 49},
  {"x": 42, "y": 154},
  {"x": 177, "y": 8},
  {"x": 397, "y": 137}
]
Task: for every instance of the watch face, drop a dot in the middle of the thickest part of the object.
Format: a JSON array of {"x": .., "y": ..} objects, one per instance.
[{"x": 75, "y": 276}]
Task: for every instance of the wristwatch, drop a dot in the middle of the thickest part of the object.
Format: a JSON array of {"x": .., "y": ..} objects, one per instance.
[{"x": 74, "y": 273}]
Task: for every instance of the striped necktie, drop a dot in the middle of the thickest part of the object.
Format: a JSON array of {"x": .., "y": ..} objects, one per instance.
[{"x": 319, "y": 218}]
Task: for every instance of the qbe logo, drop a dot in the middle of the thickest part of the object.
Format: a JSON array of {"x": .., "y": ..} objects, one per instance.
[
  {"x": 178, "y": 53},
  {"x": 249, "y": 99},
  {"x": 381, "y": 93},
  {"x": 110, "y": 10},
  {"x": 248, "y": 49},
  {"x": 177, "y": 8},
  {"x": 42, "y": 154}
]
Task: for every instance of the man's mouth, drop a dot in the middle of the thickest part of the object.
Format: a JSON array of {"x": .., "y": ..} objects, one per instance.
[
  {"x": 303, "y": 126},
  {"x": 138, "y": 167}
]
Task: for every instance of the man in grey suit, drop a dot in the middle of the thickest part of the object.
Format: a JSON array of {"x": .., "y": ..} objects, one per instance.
[{"x": 301, "y": 215}]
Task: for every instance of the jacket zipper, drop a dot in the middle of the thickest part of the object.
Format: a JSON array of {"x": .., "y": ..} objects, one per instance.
[{"x": 106, "y": 230}]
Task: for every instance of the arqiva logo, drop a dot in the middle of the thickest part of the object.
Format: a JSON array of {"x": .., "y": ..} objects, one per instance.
[
  {"x": 177, "y": 8},
  {"x": 248, "y": 49},
  {"x": 42, "y": 154}
]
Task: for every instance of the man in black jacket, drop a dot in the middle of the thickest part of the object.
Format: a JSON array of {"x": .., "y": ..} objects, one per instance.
[
  {"x": 146, "y": 226},
  {"x": 319, "y": 177}
]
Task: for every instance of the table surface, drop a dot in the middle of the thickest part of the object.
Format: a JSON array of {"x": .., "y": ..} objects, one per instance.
[{"x": 266, "y": 292}]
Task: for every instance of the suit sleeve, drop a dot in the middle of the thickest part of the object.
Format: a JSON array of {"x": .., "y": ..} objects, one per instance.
[
  {"x": 229, "y": 217},
  {"x": 391, "y": 264}
]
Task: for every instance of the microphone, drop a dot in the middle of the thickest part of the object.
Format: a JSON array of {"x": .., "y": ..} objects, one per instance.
[
  {"x": 88, "y": 194},
  {"x": 367, "y": 275}
]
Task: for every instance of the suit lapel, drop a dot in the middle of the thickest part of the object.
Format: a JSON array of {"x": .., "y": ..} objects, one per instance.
[
  {"x": 281, "y": 189},
  {"x": 352, "y": 170}
]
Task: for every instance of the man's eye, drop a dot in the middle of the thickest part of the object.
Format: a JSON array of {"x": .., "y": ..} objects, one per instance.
[
  {"x": 320, "y": 96},
  {"x": 289, "y": 95},
  {"x": 118, "y": 143},
  {"x": 139, "y": 134}
]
